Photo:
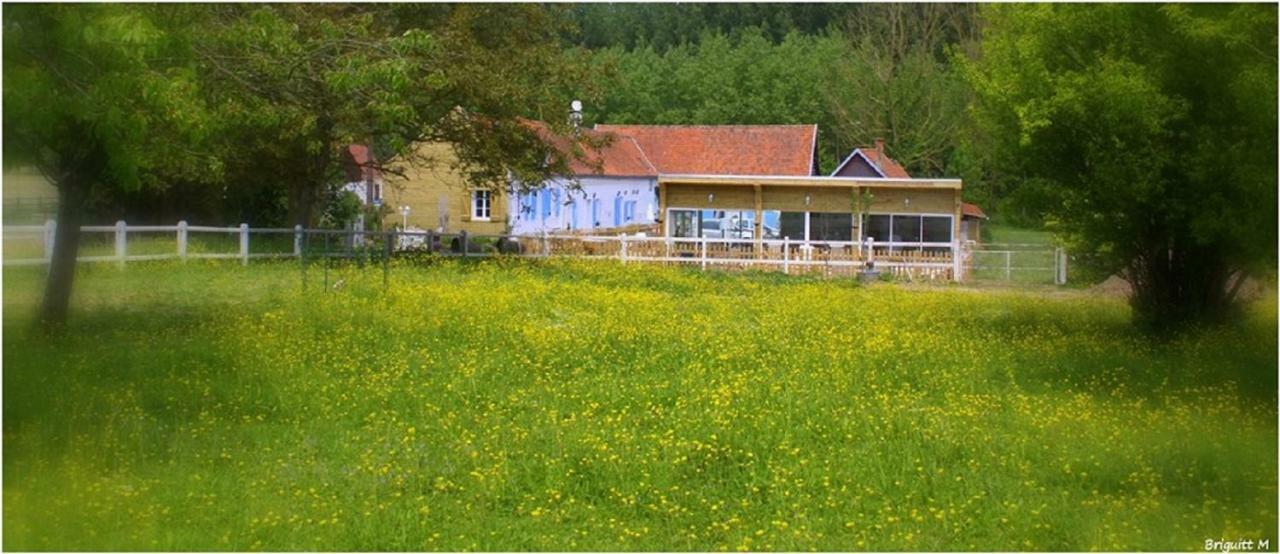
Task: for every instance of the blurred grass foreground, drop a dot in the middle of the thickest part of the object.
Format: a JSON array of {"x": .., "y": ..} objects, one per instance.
[{"x": 515, "y": 405}]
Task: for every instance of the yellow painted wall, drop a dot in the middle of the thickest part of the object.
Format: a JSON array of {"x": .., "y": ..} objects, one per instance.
[
  {"x": 722, "y": 197},
  {"x": 791, "y": 199},
  {"x": 885, "y": 200},
  {"x": 431, "y": 191}
]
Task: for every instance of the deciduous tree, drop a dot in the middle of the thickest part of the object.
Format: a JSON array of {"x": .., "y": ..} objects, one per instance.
[{"x": 1149, "y": 134}]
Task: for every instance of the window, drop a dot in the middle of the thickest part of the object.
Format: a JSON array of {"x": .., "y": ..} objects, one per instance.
[
  {"x": 906, "y": 228},
  {"x": 937, "y": 229},
  {"x": 771, "y": 224},
  {"x": 528, "y": 205},
  {"x": 684, "y": 223},
  {"x": 719, "y": 224},
  {"x": 573, "y": 214},
  {"x": 793, "y": 224},
  {"x": 546, "y": 203},
  {"x": 877, "y": 228},
  {"x": 617, "y": 211},
  {"x": 555, "y": 201},
  {"x": 830, "y": 226},
  {"x": 480, "y": 204},
  {"x": 629, "y": 210},
  {"x": 909, "y": 229}
]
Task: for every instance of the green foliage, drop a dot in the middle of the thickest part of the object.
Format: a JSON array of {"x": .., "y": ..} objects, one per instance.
[
  {"x": 1141, "y": 133},
  {"x": 584, "y": 406},
  {"x": 99, "y": 96},
  {"x": 298, "y": 83},
  {"x": 663, "y": 26},
  {"x": 866, "y": 77}
]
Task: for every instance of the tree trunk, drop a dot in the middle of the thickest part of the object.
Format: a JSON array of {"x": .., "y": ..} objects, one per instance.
[
  {"x": 66, "y": 247},
  {"x": 1176, "y": 283},
  {"x": 302, "y": 199}
]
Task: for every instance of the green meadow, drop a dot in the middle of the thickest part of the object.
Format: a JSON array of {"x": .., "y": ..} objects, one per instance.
[{"x": 515, "y": 405}]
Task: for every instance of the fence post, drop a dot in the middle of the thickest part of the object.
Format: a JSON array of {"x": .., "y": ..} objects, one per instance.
[
  {"x": 1008, "y": 258},
  {"x": 244, "y": 244},
  {"x": 1060, "y": 266},
  {"x": 297, "y": 240},
  {"x": 122, "y": 231},
  {"x": 704, "y": 253},
  {"x": 182, "y": 240},
  {"x": 622, "y": 238},
  {"x": 50, "y": 231},
  {"x": 955, "y": 260},
  {"x": 786, "y": 255},
  {"x": 546, "y": 250}
]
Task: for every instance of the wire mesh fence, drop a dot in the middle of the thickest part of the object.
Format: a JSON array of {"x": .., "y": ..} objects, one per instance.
[{"x": 1018, "y": 263}]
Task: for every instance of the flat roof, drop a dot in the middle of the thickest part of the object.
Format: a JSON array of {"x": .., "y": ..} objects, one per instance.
[{"x": 809, "y": 181}]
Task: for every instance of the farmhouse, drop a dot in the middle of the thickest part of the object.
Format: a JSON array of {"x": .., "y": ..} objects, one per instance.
[
  {"x": 617, "y": 185},
  {"x": 703, "y": 181}
]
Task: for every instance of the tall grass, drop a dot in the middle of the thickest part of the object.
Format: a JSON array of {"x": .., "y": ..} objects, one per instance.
[{"x": 507, "y": 405}]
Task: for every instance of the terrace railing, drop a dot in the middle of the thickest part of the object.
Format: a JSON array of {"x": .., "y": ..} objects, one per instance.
[{"x": 122, "y": 243}]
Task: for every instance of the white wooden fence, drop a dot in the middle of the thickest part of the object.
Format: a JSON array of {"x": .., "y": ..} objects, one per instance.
[{"x": 913, "y": 260}]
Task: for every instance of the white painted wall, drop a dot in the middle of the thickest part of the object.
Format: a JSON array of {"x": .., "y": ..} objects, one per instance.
[{"x": 610, "y": 194}]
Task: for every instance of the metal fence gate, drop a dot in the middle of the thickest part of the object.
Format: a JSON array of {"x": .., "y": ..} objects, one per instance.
[{"x": 1017, "y": 263}]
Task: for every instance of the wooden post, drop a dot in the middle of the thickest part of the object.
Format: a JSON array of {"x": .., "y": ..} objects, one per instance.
[
  {"x": 662, "y": 208},
  {"x": 856, "y": 231},
  {"x": 122, "y": 232},
  {"x": 182, "y": 240},
  {"x": 244, "y": 244},
  {"x": 622, "y": 249},
  {"x": 297, "y": 240},
  {"x": 704, "y": 253},
  {"x": 50, "y": 231},
  {"x": 1008, "y": 257}
]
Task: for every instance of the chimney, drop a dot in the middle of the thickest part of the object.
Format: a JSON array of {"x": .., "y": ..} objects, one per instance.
[{"x": 880, "y": 146}]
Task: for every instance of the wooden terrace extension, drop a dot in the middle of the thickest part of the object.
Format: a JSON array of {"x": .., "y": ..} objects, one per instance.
[{"x": 897, "y": 222}]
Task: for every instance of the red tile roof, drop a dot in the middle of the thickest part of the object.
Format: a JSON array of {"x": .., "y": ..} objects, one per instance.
[
  {"x": 887, "y": 166},
  {"x": 604, "y": 154},
  {"x": 971, "y": 210},
  {"x": 725, "y": 149},
  {"x": 360, "y": 164}
]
